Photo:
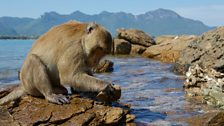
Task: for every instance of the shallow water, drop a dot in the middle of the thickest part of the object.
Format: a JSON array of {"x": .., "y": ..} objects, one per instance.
[{"x": 154, "y": 92}]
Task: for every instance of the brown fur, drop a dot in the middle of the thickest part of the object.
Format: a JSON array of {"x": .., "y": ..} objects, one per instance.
[{"x": 64, "y": 56}]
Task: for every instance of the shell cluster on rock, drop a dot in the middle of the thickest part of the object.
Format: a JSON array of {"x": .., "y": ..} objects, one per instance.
[{"x": 206, "y": 82}]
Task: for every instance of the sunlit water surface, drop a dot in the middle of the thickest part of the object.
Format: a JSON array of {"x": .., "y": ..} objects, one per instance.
[{"x": 153, "y": 90}]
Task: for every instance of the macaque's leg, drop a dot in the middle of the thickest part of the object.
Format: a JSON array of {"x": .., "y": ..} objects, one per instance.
[
  {"x": 60, "y": 90},
  {"x": 35, "y": 78}
]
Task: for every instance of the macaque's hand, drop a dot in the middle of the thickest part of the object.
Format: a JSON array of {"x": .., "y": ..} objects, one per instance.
[{"x": 110, "y": 93}]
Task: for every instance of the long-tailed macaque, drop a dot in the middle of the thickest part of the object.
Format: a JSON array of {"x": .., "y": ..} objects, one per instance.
[{"x": 64, "y": 56}]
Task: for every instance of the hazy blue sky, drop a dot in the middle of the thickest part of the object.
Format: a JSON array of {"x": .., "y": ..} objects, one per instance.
[{"x": 211, "y": 12}]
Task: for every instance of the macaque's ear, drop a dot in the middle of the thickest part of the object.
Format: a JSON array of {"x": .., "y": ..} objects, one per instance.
[{"x": 91, "y": 26}]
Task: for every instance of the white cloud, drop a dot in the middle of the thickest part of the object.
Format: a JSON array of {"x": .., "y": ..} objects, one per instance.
[{"x": 212, "y": 15}]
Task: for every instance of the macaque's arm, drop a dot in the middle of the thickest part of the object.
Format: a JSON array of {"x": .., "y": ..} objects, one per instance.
[
  {"x": 85, "y": 82},
  {"x": 106, "y": 91}
]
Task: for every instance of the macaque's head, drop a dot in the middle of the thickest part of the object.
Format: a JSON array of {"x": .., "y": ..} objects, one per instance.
[{"x": 97, "y": 43}]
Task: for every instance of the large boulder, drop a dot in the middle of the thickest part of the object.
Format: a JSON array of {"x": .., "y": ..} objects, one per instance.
[
  {"x": 135, "y": 36},
  {"x": 79, "y": 112},
  {"x": 121, "y": 46},
  {"x": 169, "y": 48},
  {"x": 207, "y": 51}
]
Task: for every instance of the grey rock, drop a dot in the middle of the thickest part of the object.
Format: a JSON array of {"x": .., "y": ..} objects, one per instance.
[
  {"x": 206, "y": 51},
  {"x": 205, "y": 82}
]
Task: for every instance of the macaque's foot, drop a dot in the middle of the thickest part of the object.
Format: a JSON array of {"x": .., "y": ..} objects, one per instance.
[
  {"x": 110, "y": 93},
  {"x": 57, "y": 99}
]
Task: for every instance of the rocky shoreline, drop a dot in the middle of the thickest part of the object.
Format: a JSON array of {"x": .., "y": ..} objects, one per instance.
[
  {"x": 81, "y": 111},
  {"x": 203, "y": 63},
  {"x": 201, "y": 58},
  {"x": 163, "y": 48},
  {"x": 207, "y": 51}
]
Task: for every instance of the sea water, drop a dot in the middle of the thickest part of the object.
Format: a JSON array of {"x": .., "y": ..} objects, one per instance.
[{"x": 12, "y": 54}]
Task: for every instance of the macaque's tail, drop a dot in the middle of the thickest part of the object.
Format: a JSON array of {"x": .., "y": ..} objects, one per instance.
[{"x": 15, "y": 94}]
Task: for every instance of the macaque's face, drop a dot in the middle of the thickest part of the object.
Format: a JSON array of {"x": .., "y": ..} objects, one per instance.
[
  {"x": 98, "y": 43},
  {"x": 95, "y": 57}
]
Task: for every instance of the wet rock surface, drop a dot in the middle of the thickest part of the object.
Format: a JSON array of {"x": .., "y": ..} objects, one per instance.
[
  {"x": 168, "y": 48},
  {"x": 135, "y": 36},
  {"x": 207, "y": 51},
  {"x": 205, "y": 82},
  {"x": 215, "y": 118},
  {"x": 81, "y": 111}
]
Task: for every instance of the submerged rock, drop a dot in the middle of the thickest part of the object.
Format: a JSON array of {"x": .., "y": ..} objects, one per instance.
[
  {"x": 205, "y": 82},
  {"x": 79, "y": 112},
  {"x": 207, "y": 51},
  {"x": 135, "y": 36},
  {"x": 169, "y": 48}
]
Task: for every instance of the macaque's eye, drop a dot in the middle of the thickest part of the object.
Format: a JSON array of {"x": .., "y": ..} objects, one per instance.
[{"x": 89, "y": 29}]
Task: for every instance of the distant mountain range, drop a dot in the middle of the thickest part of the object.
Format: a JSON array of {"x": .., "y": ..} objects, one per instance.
[{"x": 157, "y": 22}]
